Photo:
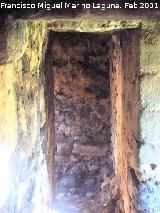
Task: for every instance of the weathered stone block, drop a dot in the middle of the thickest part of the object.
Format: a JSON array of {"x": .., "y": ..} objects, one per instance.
[{"x": 90, "y": 151}]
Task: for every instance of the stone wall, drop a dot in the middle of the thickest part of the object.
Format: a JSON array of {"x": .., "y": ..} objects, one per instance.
[
  {"x": 150, "y": 117},
  {"x": 125, "y": 113},
  {"x": 84, "y": 158},
  {"x": 23, "y": 120}
]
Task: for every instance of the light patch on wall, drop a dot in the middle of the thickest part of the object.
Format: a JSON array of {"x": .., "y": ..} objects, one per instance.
[
  {"x": 41, "y": 194},
  {"x": 21, "y": 192},
  {"x": 54, "y": 211},
  {"x": 5, "y": 174},
  {"x": 150, "y": 197},
  {"x": 8, "y": 116}
]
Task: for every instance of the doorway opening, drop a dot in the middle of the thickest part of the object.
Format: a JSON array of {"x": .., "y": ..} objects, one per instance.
[{"x": 85, "y": 78}]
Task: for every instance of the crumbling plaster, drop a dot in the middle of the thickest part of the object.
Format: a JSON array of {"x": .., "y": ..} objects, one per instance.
[{"x": 22, "y": 105}]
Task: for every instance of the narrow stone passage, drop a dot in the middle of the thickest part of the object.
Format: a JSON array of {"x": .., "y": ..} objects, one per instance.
[{"x": 84, "y": 158}]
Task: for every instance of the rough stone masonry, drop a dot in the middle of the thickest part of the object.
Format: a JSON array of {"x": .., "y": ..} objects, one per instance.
[{"x": 85, "y": 178}]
